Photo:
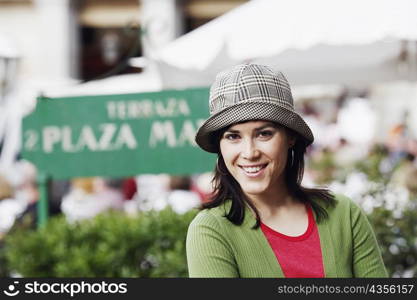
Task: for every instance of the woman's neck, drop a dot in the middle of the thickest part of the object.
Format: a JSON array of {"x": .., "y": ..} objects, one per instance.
[{"x": 273, "y": 202}]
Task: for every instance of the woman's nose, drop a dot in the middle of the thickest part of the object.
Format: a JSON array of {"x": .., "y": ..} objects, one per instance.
[{"x": 249, "y": 150}]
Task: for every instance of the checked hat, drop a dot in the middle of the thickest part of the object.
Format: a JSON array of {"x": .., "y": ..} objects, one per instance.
[{"x": 249, "y": 92}]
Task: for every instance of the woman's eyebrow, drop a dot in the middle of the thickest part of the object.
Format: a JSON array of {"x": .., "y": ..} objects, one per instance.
[
  {"x": 266, "y": 126},
  {"x": 231, "y": 131},
  {"x": 272, "y": 125}
]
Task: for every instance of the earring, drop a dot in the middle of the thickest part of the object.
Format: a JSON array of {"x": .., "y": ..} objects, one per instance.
[{"x": 291, "y": 155}]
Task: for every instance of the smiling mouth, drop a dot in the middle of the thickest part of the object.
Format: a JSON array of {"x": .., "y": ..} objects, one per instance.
[{"x": 253, "y": 169}]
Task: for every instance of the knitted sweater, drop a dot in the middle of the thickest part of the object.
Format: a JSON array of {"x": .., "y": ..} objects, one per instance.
[{"x": 218, "y": 248}]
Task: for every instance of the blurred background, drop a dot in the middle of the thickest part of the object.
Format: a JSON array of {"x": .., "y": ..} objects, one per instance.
[{"x": 353, "y": 69}]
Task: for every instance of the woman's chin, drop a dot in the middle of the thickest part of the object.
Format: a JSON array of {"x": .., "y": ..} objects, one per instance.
[{"x": 254, "y": 190}]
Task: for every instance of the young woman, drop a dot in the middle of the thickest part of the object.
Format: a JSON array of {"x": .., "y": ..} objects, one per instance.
[{"x": 261, "y": 222}]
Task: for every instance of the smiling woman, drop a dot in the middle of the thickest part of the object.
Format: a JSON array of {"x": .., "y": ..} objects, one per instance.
[
  {"x": 260, "y": 221},
  {"x": 255, "y": 154}
]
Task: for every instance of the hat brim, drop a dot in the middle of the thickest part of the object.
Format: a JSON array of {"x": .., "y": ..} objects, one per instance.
[{"x": 246, "y": 111}]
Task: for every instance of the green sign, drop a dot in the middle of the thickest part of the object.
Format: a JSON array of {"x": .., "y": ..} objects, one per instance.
[{"x": 118, "y": 135}]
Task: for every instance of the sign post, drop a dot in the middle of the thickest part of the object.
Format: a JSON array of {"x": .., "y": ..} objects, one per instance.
[{"x": 43, "y": 205}]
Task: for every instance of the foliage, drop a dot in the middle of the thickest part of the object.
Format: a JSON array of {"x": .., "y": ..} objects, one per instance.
[
  {"x": 3, "y": 264},
  {"x": 395, "y": 227},
  {"x": 109, "y": 245},
  {"x": 323, "y": 165},
  {"x": 372, "y": 165},
  {"x": 397, "y": 239},
  {"x": 392, "y": 211}
]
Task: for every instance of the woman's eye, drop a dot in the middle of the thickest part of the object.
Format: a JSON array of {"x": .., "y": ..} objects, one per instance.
[
  {"x": 231, "y": 136},
  {"x": 266, "y": 133}
]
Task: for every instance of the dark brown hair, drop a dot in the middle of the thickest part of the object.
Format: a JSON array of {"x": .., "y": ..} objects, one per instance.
[{"x": 226, "y": 187}]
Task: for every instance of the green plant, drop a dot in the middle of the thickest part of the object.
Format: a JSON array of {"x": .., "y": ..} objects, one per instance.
[
  {"x": 397, "y": 236},
  {"x": 109, "y": 245},
  {"x": 4, "y": 271},
  {"x": 371, "y": 166}
]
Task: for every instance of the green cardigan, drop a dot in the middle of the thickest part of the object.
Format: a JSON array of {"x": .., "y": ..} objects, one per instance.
[{"x": 218, "y": 248}]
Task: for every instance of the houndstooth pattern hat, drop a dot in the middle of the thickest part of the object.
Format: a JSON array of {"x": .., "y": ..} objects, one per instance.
[{"x": 249, "y": 92}]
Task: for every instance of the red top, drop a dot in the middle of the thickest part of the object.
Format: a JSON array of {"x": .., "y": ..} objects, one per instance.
[{"x": 299, "y": 256}]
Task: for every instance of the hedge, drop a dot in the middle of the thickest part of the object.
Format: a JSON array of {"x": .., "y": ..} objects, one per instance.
[{"x": 109, "y": 245}]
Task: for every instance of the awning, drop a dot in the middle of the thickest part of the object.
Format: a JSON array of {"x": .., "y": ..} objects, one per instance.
[{"x": 338, "y": 37}]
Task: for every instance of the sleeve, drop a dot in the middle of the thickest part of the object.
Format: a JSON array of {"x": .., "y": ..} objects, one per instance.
[
  {"x": 367, "y": 259},
  {"x": 208, "y": 251}
]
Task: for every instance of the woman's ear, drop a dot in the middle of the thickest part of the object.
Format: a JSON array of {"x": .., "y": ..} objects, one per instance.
[
  {"x": 291, "y": 140},
  {"x": 291, "y": 137}
]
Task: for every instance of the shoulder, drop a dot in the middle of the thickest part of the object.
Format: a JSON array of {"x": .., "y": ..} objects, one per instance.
[
  {"x": 213, "y": 217},
  {"x": 344, "y": 209},
  {"x": 209, "y": 229},
  {"x": 342, "y": 204},
  {"x": 346, "y": 203}
]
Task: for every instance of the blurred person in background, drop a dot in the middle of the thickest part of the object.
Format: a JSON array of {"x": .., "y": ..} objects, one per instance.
[
  {"x": 411, "y": 182},
  {"x": 57, "y": 189},
  {"x": 402, "y": 175},
  {"x": 168, "y": 191},
  {"x": 20, "y": 195},
  {"x": 397, "y": 143},
  {"x": 91, "y": 196},
  {"x": 129, "y": 188},
  {"x": 152, "y": 191},
  {"x": 9, "y": 207},
  {"x": 260, "y": 221},
  {"x": 109, "y": 190},
  {"x": 181, "y": 198},
  {"x": 203, "y": 184}
]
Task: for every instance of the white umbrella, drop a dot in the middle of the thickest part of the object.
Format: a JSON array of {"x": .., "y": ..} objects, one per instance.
[{"x": 262, "y": 29}]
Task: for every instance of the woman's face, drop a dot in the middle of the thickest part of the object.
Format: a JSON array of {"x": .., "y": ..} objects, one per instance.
[{"x": 255, "y": 153}]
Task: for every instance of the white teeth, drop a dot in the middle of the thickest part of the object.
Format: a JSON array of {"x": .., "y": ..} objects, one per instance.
[{"x": 252, "y": 169}]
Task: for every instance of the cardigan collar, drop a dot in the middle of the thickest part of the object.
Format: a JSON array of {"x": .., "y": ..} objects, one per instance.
[{"x": 326, "y": 243}]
